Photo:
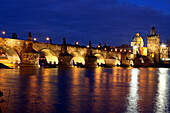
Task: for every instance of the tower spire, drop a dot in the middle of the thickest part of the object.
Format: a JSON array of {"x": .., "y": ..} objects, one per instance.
[{"x": 153, "y": 32}]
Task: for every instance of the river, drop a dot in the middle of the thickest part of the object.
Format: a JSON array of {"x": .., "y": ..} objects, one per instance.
[{"x": 85, "y": 90}]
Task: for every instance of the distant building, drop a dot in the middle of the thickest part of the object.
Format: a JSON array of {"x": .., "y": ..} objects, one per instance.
[
  {"x": 137, "y": 41},
  {"x": 137, "y": 44}
]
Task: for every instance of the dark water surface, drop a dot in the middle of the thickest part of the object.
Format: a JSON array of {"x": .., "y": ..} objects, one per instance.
[{"x": 75, "y": 90}]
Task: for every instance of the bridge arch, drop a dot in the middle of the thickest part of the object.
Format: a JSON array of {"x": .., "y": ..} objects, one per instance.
[
  {"x": 77, "y": 58},
  {"x": 100, "y": 59},
  {"x": 9, "y": 55},
  {"x": 50, "y": 56}
]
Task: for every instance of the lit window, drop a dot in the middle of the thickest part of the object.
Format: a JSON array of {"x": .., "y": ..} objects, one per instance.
[
  {"x": 120, "y": 50},
  {"x": 115, "y": 49}
]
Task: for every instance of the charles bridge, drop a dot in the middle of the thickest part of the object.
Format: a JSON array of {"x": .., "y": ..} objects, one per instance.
[{"x": 29, "y": 53}]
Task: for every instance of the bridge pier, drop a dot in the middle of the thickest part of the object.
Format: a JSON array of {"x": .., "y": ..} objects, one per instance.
[
  {"x": 64, "y": 60},
  {"x": 91, "y": 61},
  {"x": 30, "y": 59},
  {"x": 29, "y": 56}
]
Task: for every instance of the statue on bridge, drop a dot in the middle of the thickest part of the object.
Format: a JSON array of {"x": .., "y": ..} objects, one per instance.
[
  {"x": 29, "y": 36},
  {"x": 90, "y": 44},
  {"x": 64, "y": 41}
]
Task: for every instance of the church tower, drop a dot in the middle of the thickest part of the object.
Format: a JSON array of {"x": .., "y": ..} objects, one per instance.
[{"x": 153, "y": 45}]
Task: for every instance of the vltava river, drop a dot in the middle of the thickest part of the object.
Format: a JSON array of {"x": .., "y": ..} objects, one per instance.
[{"x": 84, "y": 90}]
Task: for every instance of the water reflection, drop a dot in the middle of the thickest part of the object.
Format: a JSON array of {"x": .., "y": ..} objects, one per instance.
[
  {"x": 86, "y": 90},
  {"x": 162, "y": 92},
  {"x": 133, "y": 97}
]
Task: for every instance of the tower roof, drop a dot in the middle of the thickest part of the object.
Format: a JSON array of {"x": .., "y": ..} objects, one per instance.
[{"x": 153, "y": 31}]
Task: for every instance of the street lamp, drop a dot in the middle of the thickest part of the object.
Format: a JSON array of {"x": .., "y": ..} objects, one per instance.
[
  {"x": 47, "y": 38},
  {"x": 3, "y": 32},
  {"x": 76, "y": 43},
  {"x": 98, "y": 46},
  {"x": 35, "y": 39}
]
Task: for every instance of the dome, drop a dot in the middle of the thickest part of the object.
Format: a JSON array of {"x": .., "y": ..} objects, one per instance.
[{"x": 137, "y": 38}]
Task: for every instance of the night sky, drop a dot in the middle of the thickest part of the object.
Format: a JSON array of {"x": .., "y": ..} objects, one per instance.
[{"x": 113, "y": 21}]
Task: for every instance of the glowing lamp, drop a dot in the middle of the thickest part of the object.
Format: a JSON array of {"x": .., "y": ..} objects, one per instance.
[
  {"x": 77, "y": 43},
  {"x": 47, "y": 38},
  {"x": 3, "y": 32},
  {"x": 35, "y": 39}
]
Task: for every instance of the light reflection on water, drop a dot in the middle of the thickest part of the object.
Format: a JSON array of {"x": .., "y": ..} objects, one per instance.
[
  {"x": 133, "y": 97},
  {"x": 96, "y": 90},
  {"x": 162, "y": 92}
]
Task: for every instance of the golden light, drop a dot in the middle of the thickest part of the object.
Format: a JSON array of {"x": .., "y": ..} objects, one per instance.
[
  {"x": 163, "y": 45},
  {"x": 3, "y": 32},
  {"x": 129, "y": 51},
  {"x": 111, "y": 49},
  {"x": 105, "y": 49},
  {"x": 35, "y": 39},
  {"x": 87, "y": 46},
  {"x": 47, "y": 38},
  {"x": 135, "y": 47},
  {"x": 100, "y": 59},
  {"x": 120, "y": 50},
  {"x": 125, "y": 50},
  {"x": 98, "y": 46},
  {"x": 77, "y": 43},
  {"x": 115, "y": 49}
]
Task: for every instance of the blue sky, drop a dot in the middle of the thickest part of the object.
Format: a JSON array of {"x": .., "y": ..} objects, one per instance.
[{"x": 113, "y": 21}]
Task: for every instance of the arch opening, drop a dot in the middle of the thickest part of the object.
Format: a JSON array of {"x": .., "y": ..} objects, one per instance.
[
  {"x": 48, "y": 57},
  {"x": 9, "y": 56},
  {"x": 100, "y": 59},
  {"x": 77, "y": 60}
]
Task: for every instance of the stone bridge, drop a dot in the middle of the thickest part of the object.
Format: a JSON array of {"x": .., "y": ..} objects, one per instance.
[{"x": 27, "y": 53}]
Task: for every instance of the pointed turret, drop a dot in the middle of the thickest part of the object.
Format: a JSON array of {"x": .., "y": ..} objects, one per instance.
[
  {"x": 153, "y": 31},
  {"x": 158, "y": 34}
]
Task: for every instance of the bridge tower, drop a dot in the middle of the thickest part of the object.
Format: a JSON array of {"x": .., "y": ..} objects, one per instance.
[{"x": 153, "y": 45}]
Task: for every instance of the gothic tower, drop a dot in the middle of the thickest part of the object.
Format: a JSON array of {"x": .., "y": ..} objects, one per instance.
[{"x": 153, "y": 45}]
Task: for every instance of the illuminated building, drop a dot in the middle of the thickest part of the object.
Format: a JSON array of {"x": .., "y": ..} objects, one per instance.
[
  {"x": 153, "y": 45},
  {"x": 137, "y": 43}
]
